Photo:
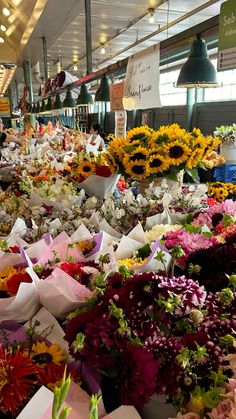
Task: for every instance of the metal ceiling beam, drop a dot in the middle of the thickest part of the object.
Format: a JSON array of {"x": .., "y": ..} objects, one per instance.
[
  {"x": 169, "y": 49},
  {"x": 88, "y": 27}
]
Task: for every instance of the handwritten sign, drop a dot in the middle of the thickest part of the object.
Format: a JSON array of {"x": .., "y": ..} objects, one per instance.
[
  {"x": 4, "y": 106},
  {"x": 142, "y": 80},
  {"x": 116, "y": 96},
  {"x": 120, "y": 123}
]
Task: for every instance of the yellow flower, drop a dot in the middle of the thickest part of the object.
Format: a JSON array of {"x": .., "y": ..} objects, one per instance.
[
  {"x": 43, "y": 354},
  {"x": 110, "y": 161},
  {"x": 116, "y": 147},
  {"x": 158, "y": 164},
  {"x": 86, "y": 246},
  {"x": 8, "y": 273},
  {"x": 143, "y": 134},
  {"x": 194, "y": 158},
  {"x": 220, "y": 194},
  {"x": 140, "y": 153},
  {"x": 86, "y": 168},
  {"x": 177, "y": 152},
  {"x": 137, "y": 169}
]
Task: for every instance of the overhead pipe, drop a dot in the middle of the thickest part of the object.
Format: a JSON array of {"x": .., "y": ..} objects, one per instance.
[
  {"x": 28, "y": 80},
  {"x": 89, "y": 61},
  {"x": 45, "y": 57}
]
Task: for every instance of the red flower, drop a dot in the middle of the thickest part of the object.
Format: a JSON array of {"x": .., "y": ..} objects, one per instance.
[
  {"x": 137, "y": 376},
  {"x": 52, "y": 374},
  {"x": 14, "y": 249},
  {"x": 122, "y": 185},
  {"x": 14, "y": 282},
  {"x": 103, "y": 171},
  {"x": 16, "y": 380}
]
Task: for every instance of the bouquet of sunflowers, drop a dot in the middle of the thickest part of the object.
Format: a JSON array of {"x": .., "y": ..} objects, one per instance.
[{"x": 147, "y": 153}]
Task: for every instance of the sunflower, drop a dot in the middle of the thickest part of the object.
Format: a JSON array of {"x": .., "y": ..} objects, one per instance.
[
  {"x": 116, "y": 147},
  {"x": 43, "y": 354},
  {"x": 220, "y": 194},
  {"x": 110, "y": 161},
  {"x": 137, "y": 169},
  {"x": 143, "y": 134},
  {"x": 177, "y": 152},
  {"x": 158, "y": 164},
  {"x": 86, "y": 168},
  {"x": 194, "y": 158}
]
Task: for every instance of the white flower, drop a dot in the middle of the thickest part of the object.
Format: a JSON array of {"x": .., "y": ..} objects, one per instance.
[
  {"x": 119, "y": 213},
  {"x": 91, "y": 203},
  {"x": 159, "y": 230}
]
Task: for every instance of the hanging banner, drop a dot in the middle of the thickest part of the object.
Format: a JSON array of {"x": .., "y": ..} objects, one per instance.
[
  {"x": 142, "y": 80},
  {"x": 120, "y": 123},
  {"x": 4, "y": 106},
  {"x": 227, "y": 36},
  {"x": 116, "y": 96}
]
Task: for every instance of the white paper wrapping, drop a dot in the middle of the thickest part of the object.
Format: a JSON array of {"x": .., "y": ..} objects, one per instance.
[{"x": 99, "y": 186}]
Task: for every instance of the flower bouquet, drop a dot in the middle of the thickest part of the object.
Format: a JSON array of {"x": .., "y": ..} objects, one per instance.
[
  {"x": 94, "y": 173},
  {"x": 166, "y": 152},
  {"x": 227, "y": 134}
]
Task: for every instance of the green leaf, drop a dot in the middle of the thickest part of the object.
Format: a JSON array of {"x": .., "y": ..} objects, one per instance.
[
  {"x": 193, "y": 173},
  {"x": 145, "y": 251}
]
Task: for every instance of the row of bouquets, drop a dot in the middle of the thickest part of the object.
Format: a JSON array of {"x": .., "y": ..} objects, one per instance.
[
  {"x": 40, "y": 405},
  {"x": 59, "y": 292}
]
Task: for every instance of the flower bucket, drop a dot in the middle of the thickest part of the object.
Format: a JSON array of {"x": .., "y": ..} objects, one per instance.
[
  {"x": 228, "y": 151},
  {"x": 99, "y": 186},
  {"x": 157, "y": 408}
]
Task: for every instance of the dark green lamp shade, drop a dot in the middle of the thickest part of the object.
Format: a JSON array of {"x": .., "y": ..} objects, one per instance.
[
  {"x": 103, "y": 92},
  {"x": 198, "y": 71},
  {"x": 49, "y": 104},
  {"x": 69, "y": 102},
  {"x": 33, "y": 108},
  {"x": 84, "y": 97},
  {"x": 37, "y": 108},
  {"x": 43, "y": 107},
  {"x": 58, "y": 103}
]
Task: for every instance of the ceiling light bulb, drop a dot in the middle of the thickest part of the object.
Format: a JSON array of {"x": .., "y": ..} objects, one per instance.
[
  {"x": 152, "y": 19},
  {"x": 3, "y": 28},
  {"x": 75, "y": 67},
  {"x": 1, "y": 40},
  {"x": 103, "y": 51},
  {"x": 151, "y": 15},
  {"x": 6, "y": 11}
]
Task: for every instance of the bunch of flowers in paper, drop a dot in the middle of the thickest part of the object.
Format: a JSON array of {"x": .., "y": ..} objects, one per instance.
[{"x": 227, "y": 133}]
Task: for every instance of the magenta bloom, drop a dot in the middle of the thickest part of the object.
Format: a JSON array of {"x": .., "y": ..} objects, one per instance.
[{"x": 137, "y": 376}]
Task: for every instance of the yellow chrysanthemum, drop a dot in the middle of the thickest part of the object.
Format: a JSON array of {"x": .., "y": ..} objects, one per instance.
[
  {"x": 43, "y": 354},
  {"x": 86, "y": 168},
  {"x": 177, "y": 152},
  {"x": 137, "y": 169},
  {"x": 131, "y": 263},
  {"x": 158, "y": 164},
  {"x": 195, "y": 158}
]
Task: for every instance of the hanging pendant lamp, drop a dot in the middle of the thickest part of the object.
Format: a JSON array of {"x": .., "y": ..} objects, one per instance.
[
  {"x": 84, "y": 97},
  {"x": 69, "y": 102},
  {"x": 198, "y": 71},
  {"x": 33, "y": 108},
  {"x": 49, "y": 104},
  {"x": 58, "y": 103},
  {"x": 103, "y": 92},
  {"x": 43, "y": 106}
]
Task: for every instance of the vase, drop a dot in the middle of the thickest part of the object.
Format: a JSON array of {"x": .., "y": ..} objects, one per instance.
[
  {"x": 157, "y": 408},
  {"x": 228, "y": 151},
  {"x": 173, "y": 186}
]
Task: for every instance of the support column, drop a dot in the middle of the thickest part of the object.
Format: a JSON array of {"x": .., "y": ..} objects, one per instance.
[
  {"x": 28, "y": 80},
  {"x": 10, "y": 100},
  {"x": 190, "y": 103},
  {"x": 87, "y": 4},
  {"x": 17, "y": 93},
  {"x": 45, "y": 58}
]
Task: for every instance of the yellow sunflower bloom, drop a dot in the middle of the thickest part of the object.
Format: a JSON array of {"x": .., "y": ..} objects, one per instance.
[
  {"x": 43, "y": 354},
  {"x": 158, "y": 164},
  {"x": 177, "y": 152},
  {"x": 86, "y": 168},
  {"x": 137, "y": 169},
  {"x": 116, "y": 147},
  {"x": 110, "y": 161},
  {"x": 143, "y": 134},
  {"x": 195, "y": 158},
  {"x": 220, "y": 194}
]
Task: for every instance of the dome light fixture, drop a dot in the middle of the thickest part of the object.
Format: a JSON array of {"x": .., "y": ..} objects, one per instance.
[
  {"x": 103, "y": 50},
  {"x": 3, "y": 28},
  {"x": 6, "y": 11},
  {"x": 198, "y": 70},
  {"x": 151, "y": 12},
  {"x": 1, "y": 40},
  {"x": 75, "y": 68}
]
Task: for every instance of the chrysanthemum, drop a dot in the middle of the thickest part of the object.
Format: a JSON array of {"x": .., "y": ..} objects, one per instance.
[
  {"x": 137, "y": 169},
  {"x": 43, "y": 354},
  {"x": 158, "y": 163},
  {"x": 177, "y": 152},
  {"x": 52, "y": 375},
  {"x": 86, "y": 168},
  {"x": 17, "y": 378}
]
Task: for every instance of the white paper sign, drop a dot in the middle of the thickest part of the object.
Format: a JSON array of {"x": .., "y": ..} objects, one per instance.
[
  {"x": 120, "y": 123},
  {"x": 142, "y": 80}
]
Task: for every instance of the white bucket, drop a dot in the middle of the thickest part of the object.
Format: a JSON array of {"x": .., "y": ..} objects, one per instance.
[{"x": 228, "y": 151}]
